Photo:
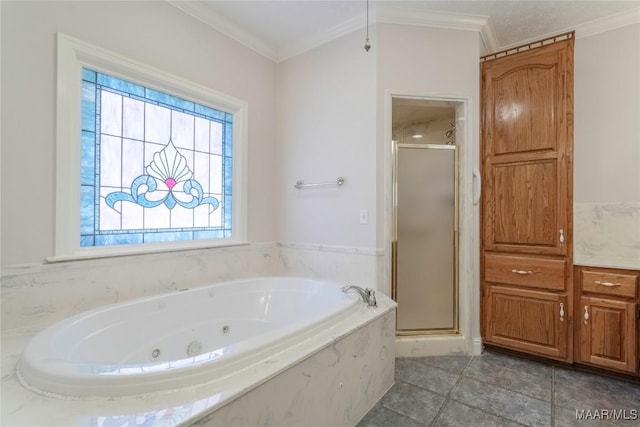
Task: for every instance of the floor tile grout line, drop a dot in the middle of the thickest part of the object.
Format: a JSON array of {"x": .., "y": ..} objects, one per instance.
[
  {"x": 505, "y": 389},
  {"x": 509, "y": 390},
  {"x": 448, "y": 396},
  {"x": 460, "y": 377},
  {"x": 395, "y": 381},
  {"x": 479, "y": 409},
  {"x": 553, "y": 396},
  {"x": 555, "y": 374},
  {"x": 398, "y": 413}
]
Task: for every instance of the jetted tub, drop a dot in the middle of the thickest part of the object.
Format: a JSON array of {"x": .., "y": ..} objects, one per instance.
[{"x": 176, "y": 340}]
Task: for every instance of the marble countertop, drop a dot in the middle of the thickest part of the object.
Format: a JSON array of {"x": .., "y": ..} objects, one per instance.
[
  {"x": 591, "y": 261},
  {"x": 21, "y": 407}
]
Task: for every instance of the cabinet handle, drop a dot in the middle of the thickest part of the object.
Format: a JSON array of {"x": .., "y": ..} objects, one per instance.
[
  {"x": 586, "y": 313},
  {"x": 608, "y": 284},
  {"x": 562, "y": 312},
  {"x": 477, "y": 186},
  {"x": 561, "y": 236},
  {"x": 522, "y": 272}
]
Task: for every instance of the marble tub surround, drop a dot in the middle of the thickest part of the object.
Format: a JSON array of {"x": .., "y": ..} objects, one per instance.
[
  {"x": 355, "y": 356},
  {"x": 607, "y": 234},
  {"x": 35, "y": 296},
  {"x": 354, "y": 373},
  {"x": 358, "y": 266}
]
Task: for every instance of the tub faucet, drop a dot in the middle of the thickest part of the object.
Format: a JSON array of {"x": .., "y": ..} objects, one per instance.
[{"x": 368, "y": 295}]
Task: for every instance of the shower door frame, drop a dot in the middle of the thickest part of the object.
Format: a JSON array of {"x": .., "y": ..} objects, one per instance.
[
  {"x": 468, "y": 340},
  {"x": 394, "y": 243}
]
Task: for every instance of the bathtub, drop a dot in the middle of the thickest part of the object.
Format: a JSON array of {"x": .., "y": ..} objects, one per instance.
[{"x": 173, "y": 341}]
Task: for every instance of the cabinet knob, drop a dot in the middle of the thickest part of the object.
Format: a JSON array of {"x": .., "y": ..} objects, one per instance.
[
  {"x": 562, "y": 312},
  {"x": 586, "y": 313},
  {"x": 561, "y": 236}
]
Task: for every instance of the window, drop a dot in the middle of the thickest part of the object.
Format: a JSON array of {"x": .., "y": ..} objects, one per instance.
[{"x": 160, "y": 161}]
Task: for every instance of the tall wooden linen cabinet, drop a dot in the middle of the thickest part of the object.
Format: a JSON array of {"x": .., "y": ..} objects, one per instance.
[{"x": 527, "y": 199}]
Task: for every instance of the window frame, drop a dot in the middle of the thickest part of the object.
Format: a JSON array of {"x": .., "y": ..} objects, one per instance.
[{"x": 72, "y": 56}]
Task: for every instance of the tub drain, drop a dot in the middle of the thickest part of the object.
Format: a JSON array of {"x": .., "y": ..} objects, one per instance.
[
  {"x": 155, "y": 353},
  {"x": 194, "y": 348}
]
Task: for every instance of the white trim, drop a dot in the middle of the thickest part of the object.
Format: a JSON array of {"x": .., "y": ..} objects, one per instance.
[
  {"x": 433, "y": 345},
  {"x": 202, "y": 13},
  {"x": 391, "y": 14},
  {"x": 387, "y": 14},
  {"x": 590, "y": 28},
  {"x": 477, "y": 346},
  {"x": 468, "y": 258},
  {"x": 332, "y": 248},
  {"x": 608, "y": 23},
  {"x": 72, "y": 56},
  {"x": 305, "y": 44},
  {"x": 99, "y": 252},
  {"x": 489, "y": 38},
  {"x": 17, "y": 270}
]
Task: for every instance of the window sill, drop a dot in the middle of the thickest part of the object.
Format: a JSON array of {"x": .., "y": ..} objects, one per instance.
[{"x": 120, "y": 251}]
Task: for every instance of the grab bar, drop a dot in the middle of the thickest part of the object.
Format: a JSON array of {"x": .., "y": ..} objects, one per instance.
[{"x": 300, "y": 183}]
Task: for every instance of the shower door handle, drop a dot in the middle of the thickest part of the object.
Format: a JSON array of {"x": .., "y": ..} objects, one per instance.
[{"x": 477, "y": 186}]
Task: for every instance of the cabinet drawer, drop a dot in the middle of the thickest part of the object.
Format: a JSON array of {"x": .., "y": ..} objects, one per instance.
[
  {"x": 534, "y": 272},
  {"x": 610, "y": 283}
]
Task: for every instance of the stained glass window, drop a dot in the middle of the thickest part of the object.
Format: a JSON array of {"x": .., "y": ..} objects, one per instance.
[{"x": 154, "y": 167}]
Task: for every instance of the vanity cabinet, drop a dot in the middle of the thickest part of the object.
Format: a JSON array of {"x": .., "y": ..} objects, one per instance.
[
  {"x": 607, "y": 318},
  {"x": 526, "y": 304}
]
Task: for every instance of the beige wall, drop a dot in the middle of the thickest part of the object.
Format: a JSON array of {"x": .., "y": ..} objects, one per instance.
[
  {"x": 312, "y": 117},
  {"x": 326, "y": 128},
  {"x": 153, "y": 33},
  {"x": 428, "y": 62},
  {"x": 606, "y": 215},
  {"x": 607, "y": 116}
]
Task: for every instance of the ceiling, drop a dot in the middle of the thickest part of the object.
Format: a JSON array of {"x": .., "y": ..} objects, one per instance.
[{"x": 283, "y": 28}]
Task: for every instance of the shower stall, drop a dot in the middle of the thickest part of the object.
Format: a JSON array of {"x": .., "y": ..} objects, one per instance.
[{"x": 425, "y": 216}]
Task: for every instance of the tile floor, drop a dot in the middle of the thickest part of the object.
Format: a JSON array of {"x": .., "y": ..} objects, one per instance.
[{"x": 499, "y": 390}]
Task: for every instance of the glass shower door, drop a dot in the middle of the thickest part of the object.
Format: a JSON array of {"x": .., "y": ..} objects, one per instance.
[{"x": 425, "y": 247}]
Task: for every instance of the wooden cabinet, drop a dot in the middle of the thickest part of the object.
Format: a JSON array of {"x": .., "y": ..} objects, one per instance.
[
  {"x": 526, "y": 320},
  {"x": 607, "y": 316},
  {"x": 527, "y": 200},
  {"x": 527, "y": 146}
]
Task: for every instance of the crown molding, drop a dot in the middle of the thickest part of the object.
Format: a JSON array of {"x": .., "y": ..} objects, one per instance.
[
  {"x": 305, "y": 44},
  {"x": 488, "y": 38},
  {"x": 587, "y": 29},
  {"x": 453, "y": 21},
  {"x": 390, "y": 14},
  {"x": 199, "y": 11},
  {"x": 380, "y": 13},
  {"x": 608, "y": 23}
]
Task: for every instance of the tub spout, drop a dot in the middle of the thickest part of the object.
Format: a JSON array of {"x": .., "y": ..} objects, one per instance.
[{"x": 368, "y": 295}]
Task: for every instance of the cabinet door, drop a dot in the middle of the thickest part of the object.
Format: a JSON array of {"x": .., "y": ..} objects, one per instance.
[
  {"x": 527, "y": 140},
  {"x": 531, "y": 321},
  {"x": 608, "y": 333}
]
